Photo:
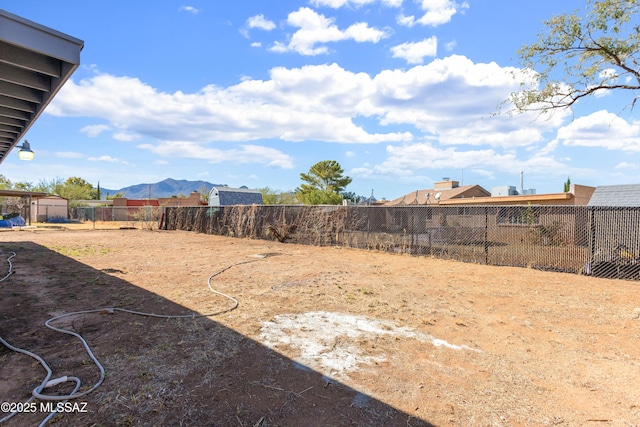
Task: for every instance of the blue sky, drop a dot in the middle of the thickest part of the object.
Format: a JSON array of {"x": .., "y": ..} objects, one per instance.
[{"x": 399, "y": 92}]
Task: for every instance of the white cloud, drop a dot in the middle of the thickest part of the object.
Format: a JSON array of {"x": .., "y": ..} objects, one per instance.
[
  {"x": 601, "y": 93},
  {"x": 608, "y": 73},
  {"x": 69, "y": 155},
  {"x": 107, "y": 159},
  {"x": 94, "y": 130},
  {"x": 453, "y": 99},
  {"x": 336, "y": 4},
  {"x": 601, "y": 129},
  {"x": 449, "y": 100},
  {"x": 414, "y": 53},
  {"x": 189, "y": 9},
  {"x": 406, "y": 21},
  {"x": 626, "y": 165},
  {"x": 316, "y": 29},
  {"x": 450, "y": 46},
  {"x": 260, "y": 22},
  {"x": 313, "y": 102},
  {"x": 436, "y": 12},
  {"x": 124, "y": 136},
  {"x": 361, "y": 32},
  {"x": 244, "y": 155},
  {"x": 409, "y": 163}
]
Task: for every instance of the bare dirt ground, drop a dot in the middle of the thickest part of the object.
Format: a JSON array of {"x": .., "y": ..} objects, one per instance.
[{"x": 321, "y": 336}]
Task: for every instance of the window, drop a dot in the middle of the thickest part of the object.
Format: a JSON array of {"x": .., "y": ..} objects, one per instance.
[
  {"x": 518, "y": 215},
  {"x": 399, "y": 219}
]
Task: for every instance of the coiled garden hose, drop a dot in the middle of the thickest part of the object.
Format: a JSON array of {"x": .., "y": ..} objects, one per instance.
[{"x": 37, "y": 393}]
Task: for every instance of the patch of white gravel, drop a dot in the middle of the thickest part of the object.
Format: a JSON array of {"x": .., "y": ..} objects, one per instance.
[{"x": 327, "y": 341}]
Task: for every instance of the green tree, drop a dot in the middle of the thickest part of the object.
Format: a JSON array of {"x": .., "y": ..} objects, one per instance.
[
  {"x": 320, "y": 197},
  {"x": 288, "y": 198},
  {"x": 567, "y": 185},
  {"x": 204, "y": 193},
  {"x": 115, "y": 196},
  {"x": 277, "y": 197},
  {"x": 5, "y": 183},
  {"x": 269, "y": 196},
  {"x": 73, "y": 189},
  {"x": 323, "y": 184},
  {"x": 578, "y": 55},
  {"x": 350, "y": 195},
  {"x": 23, "y": 186},
  {"x": 45, "y": 186}
]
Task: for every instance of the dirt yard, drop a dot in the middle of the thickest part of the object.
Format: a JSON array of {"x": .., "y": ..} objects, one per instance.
[{"x": 320, "y": 337}]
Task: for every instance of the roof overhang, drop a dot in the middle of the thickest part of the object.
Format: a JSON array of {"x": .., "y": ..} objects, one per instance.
[
  {"x": 35, "y": 62},
  {"x": 19, "y": 193},
  {"x": 523, "y": 199}
]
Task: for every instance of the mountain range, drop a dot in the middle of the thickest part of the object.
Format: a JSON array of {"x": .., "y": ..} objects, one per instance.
[{"x": 167, "y": 188}]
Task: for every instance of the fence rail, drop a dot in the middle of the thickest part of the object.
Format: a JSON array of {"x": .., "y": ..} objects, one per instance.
[
  {"x": 129, "y": 214},
  {"x": 599, "y": 241}
]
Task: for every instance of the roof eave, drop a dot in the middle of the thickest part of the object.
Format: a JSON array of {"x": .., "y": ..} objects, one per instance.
[
  {"x": 31, "y": 38},
  {"x": 524, "y": 199}
]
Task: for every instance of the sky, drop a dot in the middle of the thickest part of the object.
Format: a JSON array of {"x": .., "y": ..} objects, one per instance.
[{"x": 402, "y": 93}]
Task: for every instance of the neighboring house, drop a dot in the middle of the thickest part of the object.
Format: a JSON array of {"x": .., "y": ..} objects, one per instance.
[
  {"x": 124, "y": 209},
  {"x": 469, "y": 217},
  {"x": 194, "y": 199},
  {"x": 227, "y": 196},
  {"x": 94, "y": 210},
  {"x": 94, "y": 203},
  {"x": 120, "y": 202},
  {"x": 48, "y": 208},
  {"x": 578, "y": 195},
  {"x": 419, "y": 220},
  {"x": 528, "y": 210},
  {"x": 616, "y": 195},
  {"x": 442, "y": 191},
  {"x": 372, "y": 201},
  {"x": 134, "y": 209},
  {"x": 448, "y": 193}
]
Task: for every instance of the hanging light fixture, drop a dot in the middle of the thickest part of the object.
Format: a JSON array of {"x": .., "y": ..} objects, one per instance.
[{"x": 25, "y": 152}]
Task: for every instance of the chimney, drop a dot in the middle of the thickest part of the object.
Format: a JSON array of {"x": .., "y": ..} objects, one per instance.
[{"x": 445, "y": 184}]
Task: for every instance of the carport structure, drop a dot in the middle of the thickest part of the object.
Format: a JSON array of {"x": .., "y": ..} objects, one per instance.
[
  {"x": 27, "y": 196},
  {"x": 35, "y": 62}
]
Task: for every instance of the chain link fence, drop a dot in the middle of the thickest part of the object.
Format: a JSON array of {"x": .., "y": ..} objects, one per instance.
[
  {"x": 143, "y": 217},
  {"x": 603, "y": 242}
]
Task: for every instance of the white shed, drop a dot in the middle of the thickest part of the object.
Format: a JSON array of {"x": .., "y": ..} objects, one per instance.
[{"x": 49, "y": 208}]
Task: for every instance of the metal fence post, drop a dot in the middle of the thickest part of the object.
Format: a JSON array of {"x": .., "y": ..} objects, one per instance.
[
  {"x": 486, "y": 235},
  {"x": 592, "y": 237}
]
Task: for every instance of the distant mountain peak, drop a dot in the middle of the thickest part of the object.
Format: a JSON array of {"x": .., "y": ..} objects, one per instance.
[{"x": 165, "y": 188}]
